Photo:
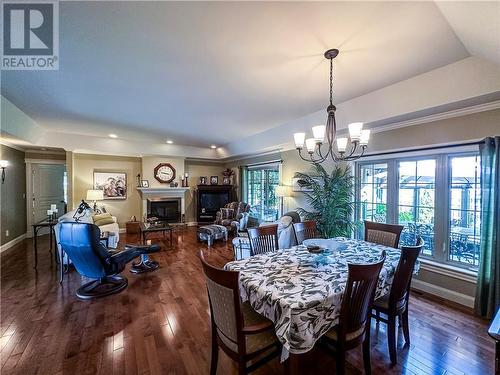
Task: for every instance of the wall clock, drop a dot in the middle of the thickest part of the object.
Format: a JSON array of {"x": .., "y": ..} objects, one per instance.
[{"x": 164, "y": 173}]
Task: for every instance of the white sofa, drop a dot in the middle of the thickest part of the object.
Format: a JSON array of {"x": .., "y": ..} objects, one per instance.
[{"x": 113, "y": 229}]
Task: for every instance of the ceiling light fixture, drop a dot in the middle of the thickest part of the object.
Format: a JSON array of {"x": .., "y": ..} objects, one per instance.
[
  {"x": 358, "y": 136},
  {"x": 213, "y": 146},
  {"x": 112, "y": 136},
  {"x": 170, "y": 142}
]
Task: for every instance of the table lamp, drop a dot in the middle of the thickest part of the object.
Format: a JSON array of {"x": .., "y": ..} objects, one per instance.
[
  {"x": 282, "y": 191},
  {"x": 95, "y": 195}
]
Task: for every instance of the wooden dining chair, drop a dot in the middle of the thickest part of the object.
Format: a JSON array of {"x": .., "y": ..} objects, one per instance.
[
  {"x": 242, "y": 333},
  {"x": 395, "y": 303},
  {"x": 383, "y": 234},
  {"x": 305, "y": 230},
  {"x": 263, "y": 239},
  {"x": 355, "y": 313}
]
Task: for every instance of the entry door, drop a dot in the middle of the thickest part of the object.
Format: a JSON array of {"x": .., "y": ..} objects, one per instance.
[{"x": 48, "y": 188}]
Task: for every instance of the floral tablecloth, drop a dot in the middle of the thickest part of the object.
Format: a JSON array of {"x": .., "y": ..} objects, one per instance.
[{"x": 301, "y": 292}]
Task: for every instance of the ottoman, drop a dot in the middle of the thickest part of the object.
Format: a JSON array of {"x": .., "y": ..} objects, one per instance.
[{"x": 212, "y": 232}]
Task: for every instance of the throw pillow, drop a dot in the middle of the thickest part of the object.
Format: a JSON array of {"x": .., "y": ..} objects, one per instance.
[
  {"x": 226, "y": 213},
  {"x": 103, "y": 219}
]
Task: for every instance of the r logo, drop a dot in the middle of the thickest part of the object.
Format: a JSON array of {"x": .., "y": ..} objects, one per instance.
[{"x": 28, "y": 29}]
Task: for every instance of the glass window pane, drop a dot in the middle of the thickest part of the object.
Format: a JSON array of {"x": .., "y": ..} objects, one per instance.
[
  {"x": 464, "y": 225},
  {"x": 416, "y": 202}
]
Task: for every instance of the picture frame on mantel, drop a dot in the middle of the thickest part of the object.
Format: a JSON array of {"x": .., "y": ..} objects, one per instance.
[
  {"x": 214, "y": 180},
  {"x": 203, "y": 180},
  {"x": 145, "y": 183}
]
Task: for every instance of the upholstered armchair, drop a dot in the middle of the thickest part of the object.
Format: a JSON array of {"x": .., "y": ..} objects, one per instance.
[{"x": 234, "y": 216}]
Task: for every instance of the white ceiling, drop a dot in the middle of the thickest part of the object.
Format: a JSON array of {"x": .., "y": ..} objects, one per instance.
[{"x": 214, "y": 72}]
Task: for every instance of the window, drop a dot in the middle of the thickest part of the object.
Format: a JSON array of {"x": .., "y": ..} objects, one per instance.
[
  {"x": 465, "y": 218},
  {"x": 436, "y": 197},
  {"x": 416, "y": 188},
  {"x": 261, "y": 183},
  {"x": 373, "y": 192}
]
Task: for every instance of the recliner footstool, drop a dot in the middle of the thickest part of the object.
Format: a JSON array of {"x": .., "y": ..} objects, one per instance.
[{"x": 212, "y": 232}]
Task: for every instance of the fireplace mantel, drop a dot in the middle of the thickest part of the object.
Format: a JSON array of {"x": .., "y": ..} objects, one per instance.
[{"x": 167, "y": 191}]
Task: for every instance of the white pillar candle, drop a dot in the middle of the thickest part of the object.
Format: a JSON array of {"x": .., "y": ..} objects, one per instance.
[
  {"x": 49, "y": 212},
  {"x": 53, "y": 207}
]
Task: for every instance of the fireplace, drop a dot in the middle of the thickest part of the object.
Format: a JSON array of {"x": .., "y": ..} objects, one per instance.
[{"x": 165, "y": 209}]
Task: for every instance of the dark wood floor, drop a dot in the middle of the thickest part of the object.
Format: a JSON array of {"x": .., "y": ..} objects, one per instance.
[{"x": 160, "y": 324}]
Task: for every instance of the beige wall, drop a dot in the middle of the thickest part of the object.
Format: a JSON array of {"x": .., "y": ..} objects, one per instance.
[
  {"x": 83, "y": 168},
  {"x": 13, "y": 195},
  {"x": 149, "y": 163}
]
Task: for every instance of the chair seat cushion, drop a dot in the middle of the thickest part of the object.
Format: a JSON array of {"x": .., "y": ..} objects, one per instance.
[
  {"x": 253, "y": 342},
  {"x": 332, "y": 334}
]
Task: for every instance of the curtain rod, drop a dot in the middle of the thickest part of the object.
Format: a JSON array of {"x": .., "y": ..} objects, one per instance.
[
  {"x": 426, "y": 148},
  {"x": 264, "y": 163}
]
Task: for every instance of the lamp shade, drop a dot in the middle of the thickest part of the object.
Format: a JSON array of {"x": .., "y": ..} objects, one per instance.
[
  {"x": 4, "y": 163},
  {"x": 282, "y": 191},
  {"x": 319, "y": 133},
  {"x": 355, "y": 130},
  {"x": 95, "y": 195},
  {"x": 299, "y": 139}
]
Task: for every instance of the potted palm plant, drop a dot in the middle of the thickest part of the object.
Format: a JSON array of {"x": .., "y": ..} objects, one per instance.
[{"x": 330, "y": 198}]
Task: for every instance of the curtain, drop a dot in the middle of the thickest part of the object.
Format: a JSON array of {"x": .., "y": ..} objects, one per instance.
[
  {"x": 243, "y": 190},
  {"x": 488, "y": 281}
]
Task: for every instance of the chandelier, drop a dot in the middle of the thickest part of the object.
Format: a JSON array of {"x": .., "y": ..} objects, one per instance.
[{"x": 358, "y": 137}]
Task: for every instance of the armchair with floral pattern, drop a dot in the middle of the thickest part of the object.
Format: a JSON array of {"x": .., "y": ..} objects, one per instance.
[{"x": 234, "y": 216}]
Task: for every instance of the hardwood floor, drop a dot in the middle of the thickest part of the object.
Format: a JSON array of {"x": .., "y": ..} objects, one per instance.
[{"x": 160, "y": 324}]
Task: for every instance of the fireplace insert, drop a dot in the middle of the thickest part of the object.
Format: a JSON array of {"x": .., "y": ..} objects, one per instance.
[{"x": 165, "y": 209}]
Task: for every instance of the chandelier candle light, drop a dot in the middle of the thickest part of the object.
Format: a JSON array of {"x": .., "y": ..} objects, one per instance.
[{"x": 359, "y": 137}]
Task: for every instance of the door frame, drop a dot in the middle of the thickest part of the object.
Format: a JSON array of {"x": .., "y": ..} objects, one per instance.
[{"x": 29, "y": 189}]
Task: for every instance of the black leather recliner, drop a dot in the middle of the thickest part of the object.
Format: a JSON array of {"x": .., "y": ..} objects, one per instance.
[{"x": 81, "y": 242}]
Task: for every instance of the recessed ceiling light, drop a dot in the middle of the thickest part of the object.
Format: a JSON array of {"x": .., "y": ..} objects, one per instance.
[
  {"x": 170, "y": 142},
  {"x": 213, "y": 146},
  {"x": 113, "y": 136}
]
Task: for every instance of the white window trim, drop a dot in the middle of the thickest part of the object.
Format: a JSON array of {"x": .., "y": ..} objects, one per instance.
[{"x": 447, "y": 267}]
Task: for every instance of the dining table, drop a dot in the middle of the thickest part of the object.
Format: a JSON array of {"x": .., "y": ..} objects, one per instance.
[{"x": 301, "y": 292}]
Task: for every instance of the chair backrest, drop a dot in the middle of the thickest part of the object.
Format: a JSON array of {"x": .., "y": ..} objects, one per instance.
[
  {"x": 81, "y": 241},
  {"x": 225, "y": 304},
  {"x": 383, "y": 234},
  {"x": 358, "y": 297},
  {"x": 403, "y": 275},
  {"x": 238, "y": 208},
  {"x": 305, "y": 230},
  {"x": 263, "y": 239}
]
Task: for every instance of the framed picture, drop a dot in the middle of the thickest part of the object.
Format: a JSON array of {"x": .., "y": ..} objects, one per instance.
[
  {"x": 145, "y": 183},
  {"x": 214, "y": 180},
  {"x": 113, "y": 184},
  {"x": 226, "y": 181},
  {"x": 203, "y": 180}
]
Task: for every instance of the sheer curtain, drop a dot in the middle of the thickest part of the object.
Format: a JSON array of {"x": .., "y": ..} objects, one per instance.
[{"x": 488, "y": 280}]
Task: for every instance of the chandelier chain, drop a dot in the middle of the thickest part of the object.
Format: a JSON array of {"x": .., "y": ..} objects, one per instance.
[{"x": 331, "y": 81}]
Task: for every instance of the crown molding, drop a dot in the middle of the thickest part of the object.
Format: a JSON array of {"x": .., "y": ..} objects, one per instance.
[
  {"x": 11, "y": 145},
  {"x": 438, "y": 116}
]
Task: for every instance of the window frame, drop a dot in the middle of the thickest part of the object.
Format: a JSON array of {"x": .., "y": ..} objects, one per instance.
[
  {"x": 442, "y": 204},
  {"x": 264, "y": 168}
]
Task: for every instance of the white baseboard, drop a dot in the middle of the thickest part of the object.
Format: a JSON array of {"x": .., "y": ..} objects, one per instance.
[
  {"x": 13, "y": 242},
  {"x": 436, "y": 290}
]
